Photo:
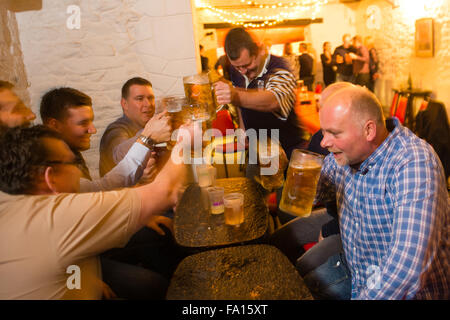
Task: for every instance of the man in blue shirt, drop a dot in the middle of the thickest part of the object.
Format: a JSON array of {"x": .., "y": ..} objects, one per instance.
[{"x": 391, "y": 197}]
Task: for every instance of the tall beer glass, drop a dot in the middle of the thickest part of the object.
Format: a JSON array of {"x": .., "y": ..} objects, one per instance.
[
  {"x": 301, "y": 182},
  {"x": 197, "y": 89},
  {"x": 178, "y": 112},
  {"x": 272, "y": 163}
]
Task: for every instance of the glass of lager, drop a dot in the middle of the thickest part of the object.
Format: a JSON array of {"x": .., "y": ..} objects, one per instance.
[
  {"x": 234, "y": 209},
  {"x": 197, "y": 89},
  {"x": 272, "y": 163},
  {"x": 301, "y": 182},
  {"x": 178, "y": 112}
]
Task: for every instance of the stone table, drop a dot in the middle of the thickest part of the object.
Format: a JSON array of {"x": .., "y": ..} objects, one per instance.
[
  {"x": 251, "y": 272},
  {"x": 195, "y": 227}
]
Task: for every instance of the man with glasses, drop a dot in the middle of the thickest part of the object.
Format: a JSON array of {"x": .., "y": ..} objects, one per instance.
[
  {"x": 69, "y": 112},
  {"x": 45, "y": 236},
  {"x": 263, "y": 87}
]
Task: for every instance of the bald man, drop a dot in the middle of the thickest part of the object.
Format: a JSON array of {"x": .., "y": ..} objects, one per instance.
[
  {"x": 314, "y": 143},
  {"x": 391, "y": 197}
]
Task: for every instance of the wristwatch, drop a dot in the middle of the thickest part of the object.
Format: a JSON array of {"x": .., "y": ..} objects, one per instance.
[{"x": 147, "y": 141}]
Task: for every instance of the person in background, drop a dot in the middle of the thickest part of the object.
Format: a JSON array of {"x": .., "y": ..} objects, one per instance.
[
  {"x": 361, "y": 70},
  {"x": 292, "y": 58},
  {"x": 13, "y": 112},
  {"x": 343, "y": 61},
  {"x": 204, "y": 59},
  {"x": 222, "y": 66},
  {"x": 329, "y": 75},
  {"x": 306, "y": 62},
  {"x": 373, "y": 62}
]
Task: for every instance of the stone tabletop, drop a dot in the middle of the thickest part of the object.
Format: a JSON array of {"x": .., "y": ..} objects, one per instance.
[
  {"x": 252, "y": 272},
  {"x": 194, "y": 226}
]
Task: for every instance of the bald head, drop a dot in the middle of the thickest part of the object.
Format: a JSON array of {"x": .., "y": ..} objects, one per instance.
[
  {"x": 331, "y": 89},
  {"x": 352, "y": 123},
  {"x": 362, "y": 104}
]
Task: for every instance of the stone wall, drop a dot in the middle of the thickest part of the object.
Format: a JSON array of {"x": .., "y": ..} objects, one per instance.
[
  {"x": 12, "y": 68},
  {"x": 394, "y": 41},
  {"x": 116, "y": 40}
]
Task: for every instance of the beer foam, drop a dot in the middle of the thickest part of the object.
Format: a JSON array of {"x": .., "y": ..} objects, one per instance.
[
  {"x": 305, "y": 165},
  {"x": 196, "y": 80}
]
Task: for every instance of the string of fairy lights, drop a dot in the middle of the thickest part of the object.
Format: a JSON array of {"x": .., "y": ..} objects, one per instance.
[{"x": 286, "y": 11}]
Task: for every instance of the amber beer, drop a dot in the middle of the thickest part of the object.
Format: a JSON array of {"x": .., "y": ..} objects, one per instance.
[
  {"x": 234, "y": 209},
  {"x": 177, "y": 115},
  {"x": 197, "y": 89},
  {"x": 272, "y": 157},
  {"x": 301, "y": 183}
]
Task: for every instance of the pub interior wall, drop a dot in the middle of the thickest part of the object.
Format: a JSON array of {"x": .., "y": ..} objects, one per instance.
[{"x": 116, "y": 40}]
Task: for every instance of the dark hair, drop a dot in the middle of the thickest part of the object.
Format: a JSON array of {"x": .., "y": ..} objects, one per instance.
[
  {"x": 21, "y": 153},
  {"x": 6, "y": 85},
  {"x": 238, "y": 39},
  {"x": 134, "y": 81},
  {"x": 54, "y": 104}
]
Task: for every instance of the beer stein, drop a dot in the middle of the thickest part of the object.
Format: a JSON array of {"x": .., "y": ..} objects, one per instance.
[
  {"x": 197, "y": 89},
  {"x": 301, "y": 182}
]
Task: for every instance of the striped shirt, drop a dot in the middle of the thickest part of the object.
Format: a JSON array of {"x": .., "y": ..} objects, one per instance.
[
  {"x": 394, "y": 219},
  {"x": 281, "y": 82}
]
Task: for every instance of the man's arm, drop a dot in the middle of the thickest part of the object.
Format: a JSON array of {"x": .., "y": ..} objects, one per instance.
[
  {"x": 278, "y": 95},
  {"x": 259, "y": 100},
  {"x": 127, "y": 172},
  {"x": 420, "y": 205}
]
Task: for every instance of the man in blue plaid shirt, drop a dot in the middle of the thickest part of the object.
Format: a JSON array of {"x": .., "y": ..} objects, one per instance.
[{"x": 391, "y": 197}]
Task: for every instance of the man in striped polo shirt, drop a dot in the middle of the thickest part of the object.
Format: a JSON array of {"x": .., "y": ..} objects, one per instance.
[{"x": 263, "y": 89}]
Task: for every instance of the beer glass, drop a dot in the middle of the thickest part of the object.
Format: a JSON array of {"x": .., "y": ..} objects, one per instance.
[
  {"x": 216, "y": 199},
  {"x": 234, "y": 209},
  {"x": 272, "y": 163},
  {"x": 301, "y": 182},
  {"x": 178, "y": 112},
  {"x": 206, "y": 175},
  {"x": 197, "y": 89}
]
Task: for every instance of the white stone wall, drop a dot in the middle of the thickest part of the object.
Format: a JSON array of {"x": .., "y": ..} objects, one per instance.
[
  {"x": 12, "y": 68},
  {"x": 117, "y": 40},
  {"x": 395, "y": 44}
]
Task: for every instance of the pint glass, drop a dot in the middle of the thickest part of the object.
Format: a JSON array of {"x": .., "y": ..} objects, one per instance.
[
  {"x": 197, "y": 89},
  {"x": 301, "y": 182},
  {"x": 178, "y": 112},
  {"x": 272, "y": 163}
]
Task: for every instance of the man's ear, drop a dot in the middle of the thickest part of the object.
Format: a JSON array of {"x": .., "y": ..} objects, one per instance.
[
  {"x": 52, "y": 123},
  {"x": 370, "y": 130},
  {"x": 124, "y": 104},
  {"x": 49, "y": 180}
]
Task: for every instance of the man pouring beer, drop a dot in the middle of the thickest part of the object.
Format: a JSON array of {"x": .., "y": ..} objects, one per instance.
[{"x": 263, "y": 87}]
